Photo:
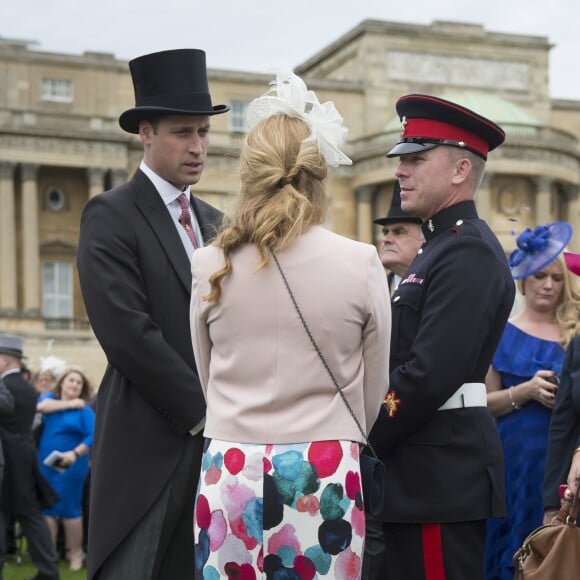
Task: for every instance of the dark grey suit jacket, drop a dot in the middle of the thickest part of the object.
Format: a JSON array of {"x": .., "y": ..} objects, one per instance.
[
  {"x": 19, "y": 485},
  {"x": 6, "y": 408},
  {"x": 564, "y": 434},
  {"x": 136, "y": 283}
]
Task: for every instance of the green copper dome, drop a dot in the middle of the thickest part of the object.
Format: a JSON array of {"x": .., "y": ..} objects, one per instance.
[{"x": 497, "y": 109}]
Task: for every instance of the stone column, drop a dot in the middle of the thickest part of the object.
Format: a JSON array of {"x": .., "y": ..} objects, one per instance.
[
  {"x": 573, "y": 210},
  {"x": 118, "y": 177},
  {"x": 96, "y": 177},
  {"x": 543, "y": 200},
  {"x": 483, "y": 197},
  {"x": 364, "y": 202},
  {"x": 8, "y": 273},
  {"x": 30, "y": 241}
]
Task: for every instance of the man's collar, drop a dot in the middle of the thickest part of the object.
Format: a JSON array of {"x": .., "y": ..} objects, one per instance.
[
  {"x": 448, "y": 218},
  {"x": 168, "y": 192},
  {"x": 12, "y": 371}
]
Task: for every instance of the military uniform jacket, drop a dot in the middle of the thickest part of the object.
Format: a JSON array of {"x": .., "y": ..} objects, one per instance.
[
  {"x": 449, "y": 312},
  {"x": 136, "y": 282}
]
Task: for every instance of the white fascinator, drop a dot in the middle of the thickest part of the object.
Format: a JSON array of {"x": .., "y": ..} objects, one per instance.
[
  {"x": 288, "y": 94},
  {"x": 53, "y": 364}
]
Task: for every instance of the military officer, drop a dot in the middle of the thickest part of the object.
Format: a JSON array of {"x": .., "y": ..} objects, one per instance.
[{"x": 435, "y": 434}]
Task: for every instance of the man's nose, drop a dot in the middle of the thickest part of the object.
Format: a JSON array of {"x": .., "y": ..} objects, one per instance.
[{"x": 195, "y": 144}]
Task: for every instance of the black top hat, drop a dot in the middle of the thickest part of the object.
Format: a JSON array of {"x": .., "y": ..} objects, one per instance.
[
  {"x": 428, "y": 121},
  {"x": 11, "y": 344},
  {"x": 396, "y": 214},
  {"x": 171, "y": 82}
]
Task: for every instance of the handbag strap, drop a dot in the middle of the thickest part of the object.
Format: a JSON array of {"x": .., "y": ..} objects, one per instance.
[
  {"x": 569, "y": 509},
  {"x": 321, "y": 356}
]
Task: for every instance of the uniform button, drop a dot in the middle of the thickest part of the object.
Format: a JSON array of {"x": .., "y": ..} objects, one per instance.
[
  {"x": 420, "y": 251},
  {"x": 396, "y": 298},
  {"x": 459, "y": 223}
]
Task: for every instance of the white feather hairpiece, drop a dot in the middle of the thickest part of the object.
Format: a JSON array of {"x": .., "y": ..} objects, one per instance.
[
  {"x": 54, "y": 364},
  {"x": 289, "y": 94}
]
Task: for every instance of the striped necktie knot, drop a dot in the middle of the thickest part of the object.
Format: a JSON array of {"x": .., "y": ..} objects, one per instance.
[{"x": 185, "y": 219}]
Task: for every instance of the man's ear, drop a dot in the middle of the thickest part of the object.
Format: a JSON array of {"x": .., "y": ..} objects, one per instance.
[
  {"x": 462, "y": 171},
  {"x": 145, "y": 131}
]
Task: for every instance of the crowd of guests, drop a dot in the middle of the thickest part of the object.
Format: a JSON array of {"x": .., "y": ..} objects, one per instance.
[{"x": 47, "y": 435}]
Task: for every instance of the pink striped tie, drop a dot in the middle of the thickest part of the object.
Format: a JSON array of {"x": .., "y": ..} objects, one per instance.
[{"x": 185, "y": 219}]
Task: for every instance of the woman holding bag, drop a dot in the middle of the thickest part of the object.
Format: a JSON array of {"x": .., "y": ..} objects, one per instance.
[{"x": 280, "y": 482}]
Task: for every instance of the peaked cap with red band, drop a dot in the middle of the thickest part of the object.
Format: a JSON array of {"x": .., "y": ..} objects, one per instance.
[{"x": 428, "y": 121}]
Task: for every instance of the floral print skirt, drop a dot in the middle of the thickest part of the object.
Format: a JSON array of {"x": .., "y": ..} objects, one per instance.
[{"x": 288, "y": 511}]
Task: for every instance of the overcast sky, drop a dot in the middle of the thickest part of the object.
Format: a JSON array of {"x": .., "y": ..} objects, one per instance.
[{"x": 261, "y": 35}]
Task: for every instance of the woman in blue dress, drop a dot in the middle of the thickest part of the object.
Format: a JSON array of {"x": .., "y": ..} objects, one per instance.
[
  {"x": 522, "y": 384},
  {"x": 68, "y": 425}
]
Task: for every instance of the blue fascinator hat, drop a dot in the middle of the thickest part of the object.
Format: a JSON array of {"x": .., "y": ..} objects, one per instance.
[{"x": 538, "y": 247}]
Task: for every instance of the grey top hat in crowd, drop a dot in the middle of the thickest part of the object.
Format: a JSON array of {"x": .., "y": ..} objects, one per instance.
[
  {"x": 170, "y": 82},
  {"x": 396, "y": 214},
  {"x": 11, "y": 344}
]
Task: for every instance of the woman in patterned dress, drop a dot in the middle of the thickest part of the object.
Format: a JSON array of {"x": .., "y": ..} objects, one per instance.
[{"x": 280, "y": 493}]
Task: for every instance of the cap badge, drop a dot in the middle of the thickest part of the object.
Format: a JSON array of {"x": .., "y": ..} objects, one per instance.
[{"x": 403, "y": 126}]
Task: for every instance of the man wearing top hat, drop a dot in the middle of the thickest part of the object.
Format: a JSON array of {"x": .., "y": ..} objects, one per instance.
[
  {"x": 19, "y": 497},
  {"x": 402, "y": 238},
  {"x": 439, "y": 442},
  {"x": 134, "y": 257}
]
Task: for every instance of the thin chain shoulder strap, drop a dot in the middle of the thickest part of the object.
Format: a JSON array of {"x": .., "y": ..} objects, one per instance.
[{"x": 321, "y": 356}]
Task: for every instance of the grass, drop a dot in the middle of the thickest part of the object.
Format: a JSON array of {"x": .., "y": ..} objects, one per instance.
[{"x": 15, "y": 571}]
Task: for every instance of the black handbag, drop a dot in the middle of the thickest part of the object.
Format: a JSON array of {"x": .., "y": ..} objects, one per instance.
[
  {"x": 46, "y": 495},
  {"x": 372, "y": 469}
]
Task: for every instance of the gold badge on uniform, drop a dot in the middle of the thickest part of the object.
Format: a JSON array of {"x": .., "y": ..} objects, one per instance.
[
  {"x": 403, "y": 126},
  {"x": 391, "y": 403}
]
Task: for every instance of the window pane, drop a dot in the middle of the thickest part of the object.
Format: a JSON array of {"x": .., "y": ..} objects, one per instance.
[
  {"x": 57, "y": 290},
  {"x": 238, "y": 116}
]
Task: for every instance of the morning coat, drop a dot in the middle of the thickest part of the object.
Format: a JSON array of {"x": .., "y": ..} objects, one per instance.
[{"x": 136, "y": 283}]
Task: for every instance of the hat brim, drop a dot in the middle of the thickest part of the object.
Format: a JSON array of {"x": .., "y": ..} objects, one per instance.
[
  {"x": 130, "y": 119},
  {"x": 392, "y": 220},
  {"x": 560, "y": 235},
  {"x": 12, "y": 352},
  {"x": 572, "y": 262},
  {"x": 405, "y": 147}
]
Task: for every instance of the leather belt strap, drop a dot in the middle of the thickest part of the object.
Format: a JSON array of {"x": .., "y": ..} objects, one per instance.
[{"x": 468, "y": 395}]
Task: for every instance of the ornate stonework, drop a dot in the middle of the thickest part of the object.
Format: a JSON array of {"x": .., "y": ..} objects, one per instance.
[{"x": 77, "y": 150}]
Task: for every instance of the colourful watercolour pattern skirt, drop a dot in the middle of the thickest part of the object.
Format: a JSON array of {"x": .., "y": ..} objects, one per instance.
[{"x": 281, "y": 512}]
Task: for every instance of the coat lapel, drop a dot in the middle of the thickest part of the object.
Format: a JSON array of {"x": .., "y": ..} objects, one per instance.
[
  {"x": 208, "y": 218},
  {"x": 155, "y": 213}
]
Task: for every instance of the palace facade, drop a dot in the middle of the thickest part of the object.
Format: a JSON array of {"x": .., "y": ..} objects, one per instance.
[{"x": 60, "y": 144}]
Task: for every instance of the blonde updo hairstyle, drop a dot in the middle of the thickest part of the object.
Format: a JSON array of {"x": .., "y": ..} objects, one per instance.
[{"x": 281, "y": 193}]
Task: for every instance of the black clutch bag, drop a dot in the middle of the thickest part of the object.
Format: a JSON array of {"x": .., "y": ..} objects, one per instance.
[{"x": 372, "y": 469}]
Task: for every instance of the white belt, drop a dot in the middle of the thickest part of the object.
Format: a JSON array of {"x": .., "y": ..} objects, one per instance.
[{"x": 468, "y": 395}]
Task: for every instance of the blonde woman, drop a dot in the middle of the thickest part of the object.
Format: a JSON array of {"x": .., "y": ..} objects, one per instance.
[
  {"x": 522, "y": 383},
  {"x": 280, "y": 482}
]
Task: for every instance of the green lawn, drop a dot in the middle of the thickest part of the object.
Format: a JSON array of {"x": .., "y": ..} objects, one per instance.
[{"x": 14, "y": 571}]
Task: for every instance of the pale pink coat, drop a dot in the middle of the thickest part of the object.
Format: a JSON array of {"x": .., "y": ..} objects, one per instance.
[{"x": 261, "y": 377}]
